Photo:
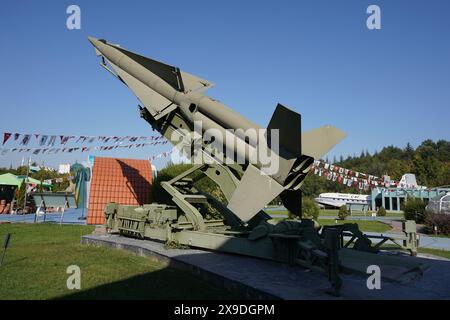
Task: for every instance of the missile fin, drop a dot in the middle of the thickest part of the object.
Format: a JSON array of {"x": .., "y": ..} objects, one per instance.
[
  {"x": 168, "y": 73},
  {"x": 247, "y": 200},
  {"x": 292, "y": 201},
  {"x": 288, "y": 123},
  {"x": 153, "y": 101},
  {"x": 194, "y": 83},
  {"x": 317, "y": 142}
]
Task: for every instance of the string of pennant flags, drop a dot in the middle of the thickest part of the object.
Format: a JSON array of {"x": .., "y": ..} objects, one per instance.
[
  {"x": 162, "y": 155},
  {"x": 80, "y": 149},
  {"x": 51, "y": 140},
  {"x": 349, "y": 177},
  {"x": 70, "y": 178}
]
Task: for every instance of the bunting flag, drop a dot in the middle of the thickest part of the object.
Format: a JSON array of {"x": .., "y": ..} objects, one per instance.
[
  {"x": 162, "y": 155},
  {"x": 6, "y": 136},
  {"x": 26, "y": 139},
  {"x": 82, "y": 149},
  {"x": 64, "y": 139},
  {"x": 349, "y": 177},
  {"x": 42, "y": 139},
  {"x": 51, "y": 141}
]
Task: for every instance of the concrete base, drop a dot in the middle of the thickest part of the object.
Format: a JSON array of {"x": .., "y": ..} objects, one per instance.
[{"x": 262, "y": 279}]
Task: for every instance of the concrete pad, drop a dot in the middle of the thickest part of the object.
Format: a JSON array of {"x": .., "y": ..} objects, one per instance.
[{"x": 263, "y": 279}]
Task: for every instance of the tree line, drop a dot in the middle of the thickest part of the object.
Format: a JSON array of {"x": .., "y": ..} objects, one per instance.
[
  {"x": 41, "y": 175},
  {"x": 430, "y": 162}
]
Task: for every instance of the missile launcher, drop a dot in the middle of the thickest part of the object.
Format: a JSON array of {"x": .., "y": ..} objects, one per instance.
[{"x": 173, "y": 103}]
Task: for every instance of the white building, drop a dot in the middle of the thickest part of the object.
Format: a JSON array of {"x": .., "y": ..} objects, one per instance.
[{"x": 64, "y": 168}]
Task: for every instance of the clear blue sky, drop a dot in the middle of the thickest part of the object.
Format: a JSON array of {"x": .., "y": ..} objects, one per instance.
[{"x": 383, "y": 87}]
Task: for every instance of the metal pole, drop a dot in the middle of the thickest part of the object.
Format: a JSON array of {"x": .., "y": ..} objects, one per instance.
[
  {"x": 5, "y": 246},
  {"x": 3, "y": 256},
  {"x": 82, "y": 176},
  {"x": 25, "y": 181}
]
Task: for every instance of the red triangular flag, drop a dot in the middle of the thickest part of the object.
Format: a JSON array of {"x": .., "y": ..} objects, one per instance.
[{"x": 6, "y": 136}]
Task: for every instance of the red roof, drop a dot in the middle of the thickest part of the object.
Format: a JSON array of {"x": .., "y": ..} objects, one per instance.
[{"x": 123, "y": 181}]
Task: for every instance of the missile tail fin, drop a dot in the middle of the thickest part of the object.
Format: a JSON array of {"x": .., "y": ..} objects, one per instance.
[
  {"x": 247, "y": 200},
  {"x": 194, "y": 83},
  {"x": 317, "y": 142},
  {"x": 292, "y": 201},
  {"x": 288, "y": 123}
]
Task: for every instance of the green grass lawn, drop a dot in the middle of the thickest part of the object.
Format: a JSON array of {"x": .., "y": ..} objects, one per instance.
[
  {"x": 332, "y": 213},
  {"x": 436, "y": 252},
  {"x": 328, "y": 212},
  {"x": 366, "y": 226},
  {"x": 39, "y": 254}
]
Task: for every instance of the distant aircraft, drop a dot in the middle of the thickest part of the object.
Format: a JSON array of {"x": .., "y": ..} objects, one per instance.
[{"x": 333, "y": 200}]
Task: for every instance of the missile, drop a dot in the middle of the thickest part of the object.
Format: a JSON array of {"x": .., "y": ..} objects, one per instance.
[{"x": 174, "y": 101}]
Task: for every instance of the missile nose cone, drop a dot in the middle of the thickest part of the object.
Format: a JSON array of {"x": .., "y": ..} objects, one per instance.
[
  {"x": 98, "y": 45},
  {"x": 93, "y": 40}
]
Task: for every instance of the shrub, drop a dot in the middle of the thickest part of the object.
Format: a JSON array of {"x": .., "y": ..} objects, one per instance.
[
  {"x": 381, "y": 212},
  {"x": 310, "y": 210},
  {"x": 440, "y": 220},
  {"x": 343, "y": 212},
  {"x": 414, "y": 209}
]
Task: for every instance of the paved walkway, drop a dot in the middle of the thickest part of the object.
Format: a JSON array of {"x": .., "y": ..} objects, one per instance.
[
  {"x": 71, "y": 216},
  {"x": 258, "y": 278},
  {"x": 424, "y": 241}
]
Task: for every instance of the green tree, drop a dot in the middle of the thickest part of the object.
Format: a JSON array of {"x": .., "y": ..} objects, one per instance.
[
  {"x": 414, "y": 209},
  {"x": 408, "y": 152},
  {"x": 430, "y": 162},
  {"x": 343, "y": 212},
  {"x": 20, "y": 194}
]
